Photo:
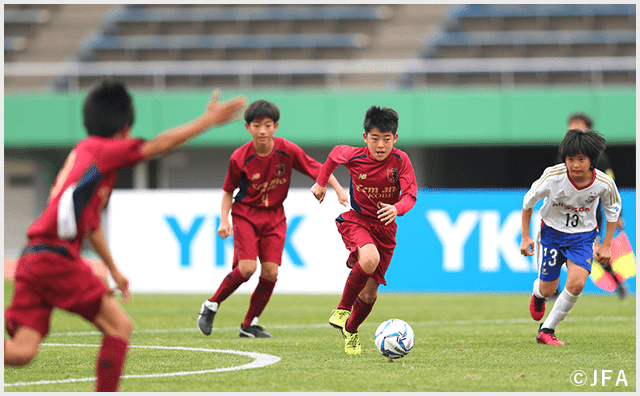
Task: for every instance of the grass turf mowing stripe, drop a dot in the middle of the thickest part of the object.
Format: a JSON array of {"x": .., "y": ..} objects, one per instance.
[{"x": 426, "y": 323}]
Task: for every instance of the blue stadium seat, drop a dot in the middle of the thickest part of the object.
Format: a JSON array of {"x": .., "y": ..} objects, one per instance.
[
  {"x": 241, "y": 14},
  {"x": 533, "y": 38},
  {"x": 14, "y": 44},
  {"x": 540, "y": 10},
  {"x": 228, "y": 41},
  {"x": 26, "y": 17}
]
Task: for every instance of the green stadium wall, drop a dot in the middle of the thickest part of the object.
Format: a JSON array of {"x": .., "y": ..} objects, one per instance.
[{"x": 434, "y": 117}]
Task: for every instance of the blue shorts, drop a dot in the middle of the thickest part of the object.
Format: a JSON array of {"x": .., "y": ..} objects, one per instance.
[{"x": 557, "y": 247}]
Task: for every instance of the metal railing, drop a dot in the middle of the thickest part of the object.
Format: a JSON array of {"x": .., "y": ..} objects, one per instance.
[{"x": 245, "y": 71}]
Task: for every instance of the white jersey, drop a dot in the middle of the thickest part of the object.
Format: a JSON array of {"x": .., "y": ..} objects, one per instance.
[{"x": 569, "y": 208}]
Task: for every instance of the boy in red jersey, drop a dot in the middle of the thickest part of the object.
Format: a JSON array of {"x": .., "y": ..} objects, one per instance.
[
  {"x": 50, "y": 272},
  {"x": 261, "y": 169},
  {"x": 383, "y": 186}
]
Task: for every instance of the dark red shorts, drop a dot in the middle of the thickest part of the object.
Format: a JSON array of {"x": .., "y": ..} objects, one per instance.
[
  {"x": 358, "y": 230},
  {"x": 48, "y": 280},
  {"x": 258, "y": 233}
]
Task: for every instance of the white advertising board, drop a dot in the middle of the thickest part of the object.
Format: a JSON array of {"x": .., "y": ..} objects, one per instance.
[{"x": 166, "y": 241}]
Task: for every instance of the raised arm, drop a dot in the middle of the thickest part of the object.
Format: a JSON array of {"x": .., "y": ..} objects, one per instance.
[{"x": 216, "y": 114}]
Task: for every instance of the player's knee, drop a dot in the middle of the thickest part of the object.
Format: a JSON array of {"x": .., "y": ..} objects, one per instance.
[
  {"x": 370, "y": 262},
  {"x": 247, "y": 268},
  {"x": 22, "y": 357},
  {"x": 369, "y": 297},
  {"x": 574, "y": 288},
  {"x": 270, "y": 273},
  {"x": 125, "y": 326}
]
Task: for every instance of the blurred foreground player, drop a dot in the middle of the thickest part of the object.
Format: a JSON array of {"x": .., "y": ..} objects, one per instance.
[
  {"x": 50, "y": 272},
  {"x": 383, "y": 186},
  {"x": 571, "y": 193},
  {"x": 261, "y": 169}
]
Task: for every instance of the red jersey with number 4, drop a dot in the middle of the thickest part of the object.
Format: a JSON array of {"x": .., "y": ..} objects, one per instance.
[
  {"x": 264, "y": 181},
  {"x": 82, "y": 190},
  {"x": 391, "y": 181}
]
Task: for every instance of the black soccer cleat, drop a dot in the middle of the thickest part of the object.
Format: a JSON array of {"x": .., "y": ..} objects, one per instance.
[
  {"x": 205, "y": 319},
  {"x": 254, "y": 331}
]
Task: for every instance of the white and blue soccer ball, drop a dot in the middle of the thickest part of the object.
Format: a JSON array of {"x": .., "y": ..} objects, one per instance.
[{"x": 394, "y": 338}]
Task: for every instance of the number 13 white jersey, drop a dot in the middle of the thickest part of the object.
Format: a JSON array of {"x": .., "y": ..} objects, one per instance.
[{"x": 571, "y": 209}]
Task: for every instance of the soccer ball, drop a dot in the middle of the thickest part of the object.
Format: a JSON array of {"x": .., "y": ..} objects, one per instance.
[{"x": 394, "y": 338}]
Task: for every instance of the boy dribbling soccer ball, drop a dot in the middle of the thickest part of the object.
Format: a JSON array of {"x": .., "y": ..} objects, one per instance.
[{"x": 383, "y": 186}]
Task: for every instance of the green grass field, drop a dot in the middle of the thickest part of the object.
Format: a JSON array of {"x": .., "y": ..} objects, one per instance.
[{"x": 464, "y": 342}]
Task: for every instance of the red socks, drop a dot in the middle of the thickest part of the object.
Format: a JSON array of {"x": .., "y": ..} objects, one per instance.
[
  {"x": 110, "y": 363},
  {"x": 356, "y": 281},
  {"x": 230, "y": 284},
  {"x": 359, "y": 313},
  {"x": 259, "y": 299}
]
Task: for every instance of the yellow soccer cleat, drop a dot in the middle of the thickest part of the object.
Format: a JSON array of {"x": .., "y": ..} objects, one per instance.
[
  {"x": 351, "y": 343},
  {"x": 339, "y": 318}
]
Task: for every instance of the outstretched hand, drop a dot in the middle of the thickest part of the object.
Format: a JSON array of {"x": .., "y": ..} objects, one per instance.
[{"x": 218, "y": 113}]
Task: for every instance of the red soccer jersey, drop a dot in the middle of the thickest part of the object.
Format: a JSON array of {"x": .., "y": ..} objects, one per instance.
[
  {"x": 374, "y": 182},
  {"x": 264, "y": 181},
  {"x": 82, "y": 190}
]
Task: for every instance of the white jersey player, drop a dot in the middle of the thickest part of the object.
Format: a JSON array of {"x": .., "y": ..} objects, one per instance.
[
  {"x": 569, "y": 208},
  {"x": 571, "y": 193}
]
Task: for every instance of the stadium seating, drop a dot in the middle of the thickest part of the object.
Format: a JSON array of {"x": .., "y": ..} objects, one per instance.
[
  {"x": 14, "y": 44},
  {"x": 182, "y": 43},
  {"x": 251, "y": 45},
  {"x": 21, "y": 24},
  {"x": 214, "y": 32},
  {"x": 135, "y": 14},
  {"x": 478, "y": 17},
  {"x": 621, "y": 41},
  {"x": 166, "y": 33},
  {"x": 541, "y": 32}
]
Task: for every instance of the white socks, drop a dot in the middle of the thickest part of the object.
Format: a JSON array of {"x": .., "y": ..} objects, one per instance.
[
  {"x": 560, "y": 309},
  {"x": 211, "y": 305}
]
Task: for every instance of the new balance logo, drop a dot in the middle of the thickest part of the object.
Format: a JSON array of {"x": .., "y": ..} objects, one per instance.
[
  {"x": 362, "y": 176},
  {"x": 255, "y": 176}
]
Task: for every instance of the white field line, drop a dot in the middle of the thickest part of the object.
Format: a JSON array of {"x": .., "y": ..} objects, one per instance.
[
  {"x": 422, "y": 323},
  {"x": 260, "y": 360}
]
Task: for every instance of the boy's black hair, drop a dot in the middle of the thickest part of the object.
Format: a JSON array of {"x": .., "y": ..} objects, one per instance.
[
  {"x": 107, "y": 109},
  {"x": 384, "y": 119},
  {"x": 261, "y": 109},
  {"x": 588, "y": 121},
  {"x": 589, "y": 143}
]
